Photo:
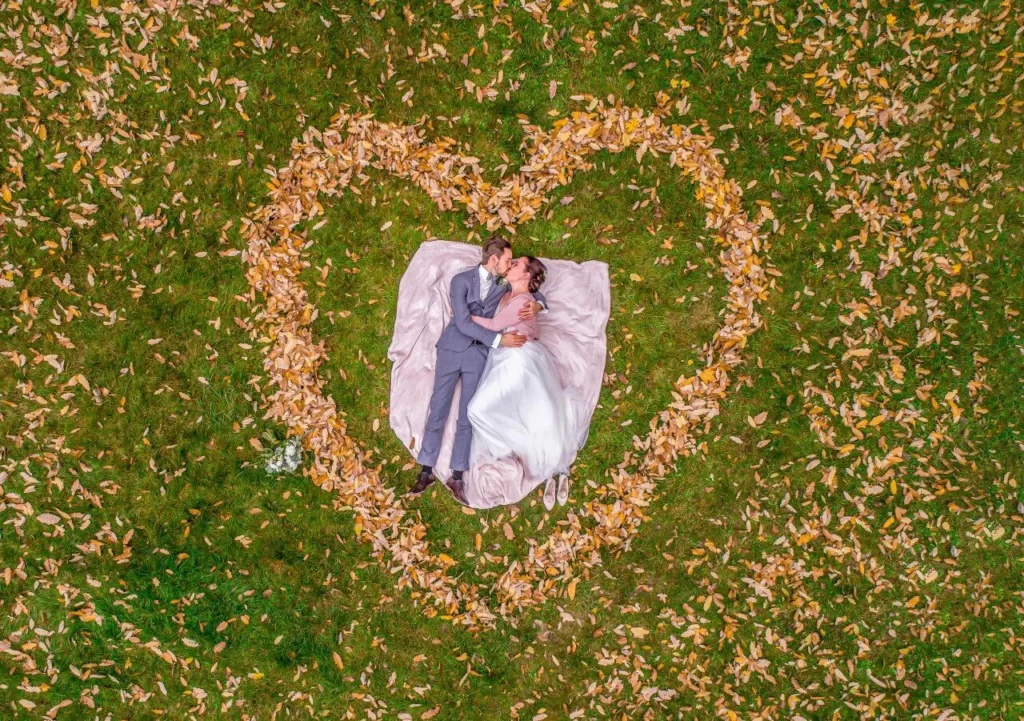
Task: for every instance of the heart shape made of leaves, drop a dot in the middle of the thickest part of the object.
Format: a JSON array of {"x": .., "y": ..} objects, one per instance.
[{"x": 325, "y": 164}]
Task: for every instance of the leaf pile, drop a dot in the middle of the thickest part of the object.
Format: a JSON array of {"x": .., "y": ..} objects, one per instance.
[{"x": 326, "y": 164}]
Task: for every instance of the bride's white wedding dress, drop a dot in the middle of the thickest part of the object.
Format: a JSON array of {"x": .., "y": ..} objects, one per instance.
[{"x": 520, "y": 415}]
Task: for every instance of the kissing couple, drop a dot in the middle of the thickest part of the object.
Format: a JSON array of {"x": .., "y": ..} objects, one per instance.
[{"x": 513, "y": 408}]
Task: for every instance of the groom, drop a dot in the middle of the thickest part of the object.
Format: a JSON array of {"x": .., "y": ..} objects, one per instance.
[{"x": 461, "y": 354}]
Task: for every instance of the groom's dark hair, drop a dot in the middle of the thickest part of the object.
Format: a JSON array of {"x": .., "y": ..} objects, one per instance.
[{"x": 495, "y": 245}]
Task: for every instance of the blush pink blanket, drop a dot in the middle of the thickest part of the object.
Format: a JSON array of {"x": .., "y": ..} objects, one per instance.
[{"x": 573, "y": 330}]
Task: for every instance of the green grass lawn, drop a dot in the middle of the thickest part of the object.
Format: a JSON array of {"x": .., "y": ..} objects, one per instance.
[{"x": 847, "y": 546}]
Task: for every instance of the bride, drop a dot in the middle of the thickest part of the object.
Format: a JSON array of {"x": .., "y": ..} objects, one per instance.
[{"x": 520, "y": 412}]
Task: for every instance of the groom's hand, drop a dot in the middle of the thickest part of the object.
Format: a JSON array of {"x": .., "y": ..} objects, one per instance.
[
  {"x": 530, "y": 310},
  {"x": 512, "y": 340}
]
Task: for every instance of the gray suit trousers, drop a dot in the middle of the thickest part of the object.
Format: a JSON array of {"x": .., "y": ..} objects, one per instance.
[{"x": 467, "y": 365}]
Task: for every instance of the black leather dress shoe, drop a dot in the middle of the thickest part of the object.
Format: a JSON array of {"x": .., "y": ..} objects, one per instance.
[{"x": 424, "y": 480}]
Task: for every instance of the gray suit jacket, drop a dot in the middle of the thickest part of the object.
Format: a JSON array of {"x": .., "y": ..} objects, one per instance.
[{"x": 460, "y": 332}]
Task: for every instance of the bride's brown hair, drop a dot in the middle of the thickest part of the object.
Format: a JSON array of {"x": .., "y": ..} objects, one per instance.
[{"x": 537, "y": 272}]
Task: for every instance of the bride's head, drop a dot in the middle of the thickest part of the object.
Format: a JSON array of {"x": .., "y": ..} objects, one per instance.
[{"x": 526, "y": 274}]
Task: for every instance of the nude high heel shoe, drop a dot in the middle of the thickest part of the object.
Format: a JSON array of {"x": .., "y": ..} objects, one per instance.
[
  {"x": 562, "y": 494},
  {"x": 549, "y": 494}
]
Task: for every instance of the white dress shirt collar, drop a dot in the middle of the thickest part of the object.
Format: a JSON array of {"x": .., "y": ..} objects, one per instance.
[{"x": 486, "y": 279}]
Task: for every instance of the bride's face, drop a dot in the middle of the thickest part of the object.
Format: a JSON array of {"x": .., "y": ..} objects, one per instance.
[{"x": 517, "y": 270}]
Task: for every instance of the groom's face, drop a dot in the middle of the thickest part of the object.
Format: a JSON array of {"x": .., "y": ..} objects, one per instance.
[{"x": 504, "y": 263}]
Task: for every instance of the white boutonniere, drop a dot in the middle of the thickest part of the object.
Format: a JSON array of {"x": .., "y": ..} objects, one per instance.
[{"x": 500, "y": 281}]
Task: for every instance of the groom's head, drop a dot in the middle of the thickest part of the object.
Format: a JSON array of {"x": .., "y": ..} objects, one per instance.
[{"x": 497, "y": 255}]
